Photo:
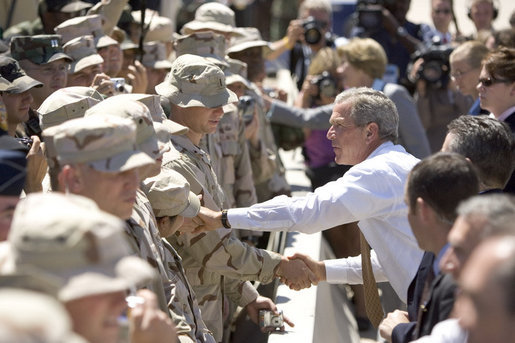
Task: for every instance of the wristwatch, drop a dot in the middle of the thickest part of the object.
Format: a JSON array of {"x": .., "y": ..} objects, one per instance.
[
  {"x": 225, "y": 221},
  {"x": 401, "y": 32}
]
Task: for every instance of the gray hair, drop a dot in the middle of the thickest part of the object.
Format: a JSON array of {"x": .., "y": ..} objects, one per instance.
[
  {"x": 504, "y": 274},
  {"x": 371, "y": 106},
  {"x": 324, "y": 5}
]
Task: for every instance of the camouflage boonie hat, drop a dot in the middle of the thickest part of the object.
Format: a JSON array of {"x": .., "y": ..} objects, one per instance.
[
  {"x": 195, "y": 81},
  {"x": 249, "y": 37},
  {"x": 106, "y": 143},
  {"x": 76, "y": 243},
  {"x": 160, "y": 29},
  {"x": 65, "y": 104},
  {"x": 155, "y": 56},
  {"x": 206, "y": 44},
  {"x": 83, "y": 26},
  {"x": 211, "y": 16},
  {"x": 65, "y": 6},
  {"x": 169, "y": 194},
  {"x": 11, "y": 71},
  {"x": 39, "y": 49},
  {"x": 237, "y": 72},
  {"x": 82, "y": 50},
  {"x": 120, "y": 106}
]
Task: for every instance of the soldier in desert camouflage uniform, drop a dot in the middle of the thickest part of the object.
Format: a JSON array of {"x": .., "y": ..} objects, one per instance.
[
  {"x": 174, "y": 293},
  {"x": 215, "y": 263}
]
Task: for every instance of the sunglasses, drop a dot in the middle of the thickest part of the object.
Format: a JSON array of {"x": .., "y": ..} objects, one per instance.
[
  {"x": 487, "y": 82},
  {"x": 443, "y": 11}
]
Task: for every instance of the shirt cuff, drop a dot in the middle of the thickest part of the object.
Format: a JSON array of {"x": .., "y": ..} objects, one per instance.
[
  {"x": 336, "y": 271},
  {"x": 238, "y": 218},
  {"x": 248, "y": 294}
]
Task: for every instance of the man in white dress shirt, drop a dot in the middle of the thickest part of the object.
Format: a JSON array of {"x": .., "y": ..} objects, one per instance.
[{"x": 363, "y": 130}]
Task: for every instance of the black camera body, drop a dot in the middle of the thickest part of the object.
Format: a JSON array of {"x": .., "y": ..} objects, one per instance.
[
  {"x": 312, "y": 30},
  {"x": 326, "y": 85},
  {"x": 370, "y": 14},
  {"x": 246, "y": 106},
  {"x": 436, "y": 68}
]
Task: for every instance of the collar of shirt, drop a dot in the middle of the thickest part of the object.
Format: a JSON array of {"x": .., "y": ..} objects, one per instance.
[
  {"x": 436, "y": 262},
  {"x": 506, "y": 113}
]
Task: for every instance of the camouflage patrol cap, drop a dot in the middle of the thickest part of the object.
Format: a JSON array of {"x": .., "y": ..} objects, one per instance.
[
  {"x": 169, "y": 194},
  {"x": 120, "y": 106},
  {"x": 47, "y": 137},
  {"x": 11, "y": 71},
  {"x": 106, "y": 143},
  {"x": 160, "y": 29},
  {"x": 4, "y": 84},
  {"x": 195, "y": 81},
  {"x": 155, "y": 56},
  {"x": 65, "y": 6},
  {"x": 39, "y": 49},
  {"x": 76, "y": 243},
  {"x": 206, "y": 44},
  {"x": 211, "y": 16},
  {"x": 249, "y": 37},
  {"x": 82, "y": 50},
  {"x": 65, "y": 104},
  {"x": 237, "y": 72},
  {"x": 85, "y": 25}
]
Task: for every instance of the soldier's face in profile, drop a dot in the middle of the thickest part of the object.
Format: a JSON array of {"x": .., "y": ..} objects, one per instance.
[
  {"x": 52, "y": 75},
  {"x": 114, "y": 193}
]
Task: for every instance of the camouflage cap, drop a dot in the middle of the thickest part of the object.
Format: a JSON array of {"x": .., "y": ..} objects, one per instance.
[
  {"x": 4, "y": 84},
  {"x": 82, "y": 50},
  {"x": 155, "y": 56},
  {"x": 118, "y": 34},
  {"x": 33, "y": 317},
  {"x": 47, "y": 137},
  {"x": 11, "y": 71},
  {"x": 39, "y": 49},
  {"x": 75, "y": 242},
  {"x": 164, "y": 137},
  {"x": 152, "y": 103},
  {"x": 195, "y": 81},
  {"x": 237, "y": 72},
  {"x": 211, "y": 16},
  {"x": 106, "y": 143},
  {"x": 110, "y": 11},
  {"x": 160, "y": 29},
  {"x": 169, "y": 194},
  {"x": 85, "y": 25},
  {"x": 121, "y": 106},
  {"x": 65, "y": 104},
  {"x": 65, "y": 6},
  {"x": 206, "y": 44},
  {"x": 249, "y": 37}
]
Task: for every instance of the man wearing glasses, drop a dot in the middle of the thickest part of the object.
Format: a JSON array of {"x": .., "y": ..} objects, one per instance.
[{"x": 497, "y": 90}]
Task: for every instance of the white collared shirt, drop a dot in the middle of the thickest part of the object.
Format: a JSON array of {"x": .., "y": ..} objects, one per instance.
[{"x": 371, "y": 192}]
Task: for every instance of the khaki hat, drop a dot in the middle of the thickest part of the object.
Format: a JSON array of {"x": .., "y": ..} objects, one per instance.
[
  {"x": 65, "y": 6},
  {"x": 11, "y": 71},
  {"x": 65, "y": 104},
  {"x": 169, "y": 194},
  {"x": 249, "y": 37},
  {"x": 83, "y": 26},
  {"x": 211, "y": 16},
  {"x": 160, "y": 29},
  {"x": 118, "y": 34},
  {"x": 163, "y": 137},
  {"x": 50, "y": 152},
  {"x": 39, "y": 49},
  {"x": 106, "y": 143},
  {"x": 33, "y": 317},
  {"x": 195, "y": 81},
  {"x": 206, "y": 44},
  {"x": 110, "y": 11},
  {"x": 155, "y": 56},
  {"x": 82, "y": 50},
  {"x": 237, "y": 72},
  {"x": 75, "y": 242},
  {"x": 123, "y": 107},
  {"x": 4, "y": 84}
]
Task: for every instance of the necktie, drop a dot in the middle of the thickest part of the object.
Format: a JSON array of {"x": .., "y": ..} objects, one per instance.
[
  {"x": 372, "y": 302},
  {"x": 424, "y": 299}
]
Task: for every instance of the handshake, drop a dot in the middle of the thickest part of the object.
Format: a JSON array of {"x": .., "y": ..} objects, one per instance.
[{"x": 297, "y": 272}]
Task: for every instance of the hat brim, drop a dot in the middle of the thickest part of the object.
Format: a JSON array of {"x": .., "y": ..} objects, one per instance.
[
  {"x": 103, "y": 41},
  {"x": 151, "y": 147},
  {"x": 123, "y": 161},
  {"x": 75, "y": 6},
  {"x": 85, "y": 62},
  {"x": 59, "y": 56},
  {"x": 248, "y": 45},
  {"x": 194, "y": 25},
  {"x": 235, "y": 78},
  {"x": 175, "y": 128},
  {"x": 163, "y": 64},
  {"x": 23, "y": 84},
  {"x": 125, "y": 274},
  {"x": 195, "y": 100},
  {"x": 193, "y": 207}
]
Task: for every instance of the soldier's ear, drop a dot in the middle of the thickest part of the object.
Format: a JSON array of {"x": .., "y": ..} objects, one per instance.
[{"x": 70, "y": 180}]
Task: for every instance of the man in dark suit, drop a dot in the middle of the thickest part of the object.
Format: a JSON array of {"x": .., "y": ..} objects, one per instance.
[{"x": 434, "y": 189}]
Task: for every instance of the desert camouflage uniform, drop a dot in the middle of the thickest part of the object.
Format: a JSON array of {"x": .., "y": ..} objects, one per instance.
[
  {"x": 173, "y": 290},
  {"x": 25, "y": 28},
  {"x": 269, "y": 173},
  {"x": 211, "y": 257},
  {"x": 230, "y": 160}
]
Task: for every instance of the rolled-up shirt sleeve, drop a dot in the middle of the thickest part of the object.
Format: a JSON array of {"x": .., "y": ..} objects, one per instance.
[{"x": 348, "y": 270}]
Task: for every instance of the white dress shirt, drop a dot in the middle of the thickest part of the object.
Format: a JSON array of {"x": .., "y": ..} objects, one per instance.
[
  {"x": 371, "y": 192},
  {"x": 447, "y": 331}
]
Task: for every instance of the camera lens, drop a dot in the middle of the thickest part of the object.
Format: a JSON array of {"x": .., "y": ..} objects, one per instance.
[{"x": 312, "y": 35}]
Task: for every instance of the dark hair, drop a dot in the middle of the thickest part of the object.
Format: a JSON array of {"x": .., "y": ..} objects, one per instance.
[
  {"x": 443, "y": 180},
  {"x": 488, "y": 143},
  {"x": 499, "y": 63}
]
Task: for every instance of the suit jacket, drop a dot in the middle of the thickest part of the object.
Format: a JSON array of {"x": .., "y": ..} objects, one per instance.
[
  {"x": 510, "y": 186},
  {"x": 437, "y": 308}
]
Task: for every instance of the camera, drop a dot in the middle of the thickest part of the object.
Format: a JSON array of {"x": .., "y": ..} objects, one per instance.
[
  {"x": 119, "y": 84},
  {"x": 435, "y": 69},
  {"x": 326, "y": 85},
  {"x": 26, "y": 141},
  {"x": 370, "y": 14},
  {"x": 246, "y": 106},
  {"x": 270, "y": 320},
  {"x": 312, "y": 30}
]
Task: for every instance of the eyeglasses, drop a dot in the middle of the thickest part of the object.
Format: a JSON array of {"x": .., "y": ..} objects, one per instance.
[
  {"x": 487, "y": 82},
  {"x": 443, "y": 11},
  {"x": 459, "y": 74}
]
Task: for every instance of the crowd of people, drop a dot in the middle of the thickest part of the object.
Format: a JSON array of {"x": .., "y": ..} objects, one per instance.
[{"x": 140, "y": 170}]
